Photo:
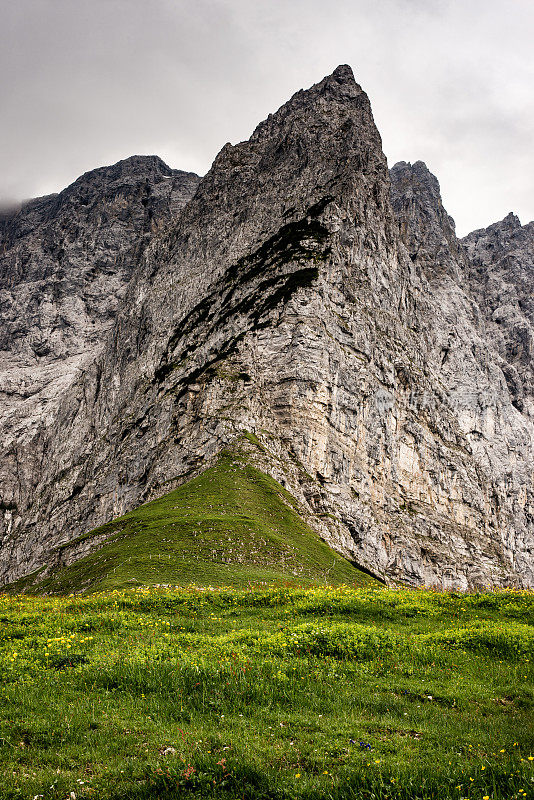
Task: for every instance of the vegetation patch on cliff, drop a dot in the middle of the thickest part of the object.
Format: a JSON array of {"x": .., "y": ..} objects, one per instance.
[
  {"x": 232, "y": 525},
  {"x": 282, "y": 693}
]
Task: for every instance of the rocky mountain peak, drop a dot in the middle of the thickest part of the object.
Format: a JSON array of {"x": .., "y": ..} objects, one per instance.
[
  {"x": 320, "y": 126},
  {"x": 511, "y": 220},
  {"x": 502, "y": 270},
  {"x": 343, "y": 74},
  {"x": 425, "y": 227},
  {"x": 159, "y": 189},
  {"x": 338, "y": 88},
  {"x": 319, "y": 147},
  {"x": 418, "y": 177},
  {"x": 285, "y": 302},
  {"x": 507, "y": 230},
  {"x": 127, "y": 168}
]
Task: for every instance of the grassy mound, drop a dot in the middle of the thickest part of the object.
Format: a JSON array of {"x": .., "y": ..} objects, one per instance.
[{"x": 230, "y": 526}]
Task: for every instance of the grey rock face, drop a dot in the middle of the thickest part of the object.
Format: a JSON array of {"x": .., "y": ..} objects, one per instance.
[
  {"x": 65, "y": 261},
  {"x": 477, "y": 361},
  {"x": 502, "y": 259},
  {"x": 425, "y": 227},
  {"x": 288, "y": 301}
]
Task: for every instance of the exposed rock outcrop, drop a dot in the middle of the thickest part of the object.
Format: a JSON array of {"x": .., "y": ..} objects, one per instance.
[
  {"x": 65, "y": 262},
  {"x": 472, "y": 358},
  {"x": 287, "y": 300},
  {"x": 502, "y": 276}
]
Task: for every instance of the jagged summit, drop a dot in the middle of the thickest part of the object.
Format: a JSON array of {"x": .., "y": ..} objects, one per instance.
[
  {"x": 418, "y": 166},
  {"x": 130, "y": 170},
  {"x": 331, "y": 93},
  {"x": 512, "y": 220},
  {"x": 416, "y": 180},
  {"x": 417, "y": 174},
  {"x": 128, "y": 176},
  {"x": 502, "y": 259},
  {"x": 302, "y": 297},
  {"x": 343, "y": 74},
  {"x": 425, "y": 227},
  {"x": 309, "y": 152},
  {"x": 509, "y": 224},
  {"x": 129, "y": 166},
  {"x": 341, "y": 83}
]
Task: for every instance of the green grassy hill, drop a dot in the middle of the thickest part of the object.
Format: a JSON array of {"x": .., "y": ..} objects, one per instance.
[{"x": 230, "y": 526}]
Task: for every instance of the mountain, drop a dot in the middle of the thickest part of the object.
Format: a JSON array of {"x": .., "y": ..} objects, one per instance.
[
  {"x": 308, "y": 298},
  {"x": 65, "y": 261},
  {"x": 502, "y": 258}
]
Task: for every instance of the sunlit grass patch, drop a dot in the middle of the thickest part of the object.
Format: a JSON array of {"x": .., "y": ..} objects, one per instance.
[{"x": 508, "y": 639}]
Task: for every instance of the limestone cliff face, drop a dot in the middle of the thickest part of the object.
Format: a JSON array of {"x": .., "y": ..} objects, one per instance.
[
  {"x": 479, "y": 365},
  {"x": 287, "y": 300},
  {"x": 65, "y": 262},
  {"x": 502, "y": 275}
]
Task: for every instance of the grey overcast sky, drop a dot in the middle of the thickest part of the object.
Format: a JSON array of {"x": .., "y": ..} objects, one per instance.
[{"x": 88, "y": 82}]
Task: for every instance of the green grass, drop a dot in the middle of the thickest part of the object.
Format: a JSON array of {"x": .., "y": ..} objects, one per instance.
[
  {"x": 280, "y": 693},
  {"x": 121, "y": 685},
  {"x": 231, "y": 526}
]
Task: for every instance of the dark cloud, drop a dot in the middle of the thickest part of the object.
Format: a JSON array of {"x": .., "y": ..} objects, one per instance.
[{"x": 87, "y": 82}]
